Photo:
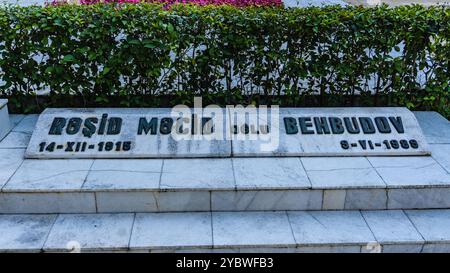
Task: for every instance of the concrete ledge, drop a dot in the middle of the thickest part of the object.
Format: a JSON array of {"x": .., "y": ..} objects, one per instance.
[
  {"x": 206, "y": 201},
  {"x": 295, "y": 231}
]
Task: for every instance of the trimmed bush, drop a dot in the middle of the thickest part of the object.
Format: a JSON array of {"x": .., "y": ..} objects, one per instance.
[
  {"x": 236, "y": 3},
  {"x": 144, "y": 55}
]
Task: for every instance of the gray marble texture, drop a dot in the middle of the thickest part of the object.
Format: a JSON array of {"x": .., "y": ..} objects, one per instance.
[
  {"x": 48, "y": 202},
  {"x": 20, "y": 135},
  {"x": 10, "y": 160},
  {"x": 403, "y": 248},
  {"x": 49, "y": 175},
  {"x": 365, "y": 199},
  {"x": 270, "y": 173},
  {"x": 435, "y": 127},
  {"x": 419, "y": 198},
  {"x": 24, "y": 233},
  {"x": 170, "y": 201},
  {"x": 133, "y": 174},
  {"x": 341, "y": 172},
  {"x": 5, "y": 124},
  {"x": 434, "y": 225},
  {"x": 168, "y": 230},
  {"x": 391, "y": 227},
  {"x": 255, "y": 200},
  {"x": 202, "y": 174},
  {"x": 16, "y": 119},
  {"x": 18, "y": 140},
  {"x": 244, "y": 229},
  {"x": 441, "y": 154},
  {"x": 315, "y": 228},
  {"x": 418, "y": 171},
  {"x": 334, "y": 199},
  {"x": 90, "y": 231},
  {"x": 27, "y": 124}
]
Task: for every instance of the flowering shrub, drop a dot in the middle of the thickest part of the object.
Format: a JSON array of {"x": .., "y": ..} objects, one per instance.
[
  {"x": 88, "y": 2},
  {"x": 236, "y": 3}
]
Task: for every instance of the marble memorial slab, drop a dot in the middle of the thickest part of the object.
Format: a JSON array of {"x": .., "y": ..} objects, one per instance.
[
  {"x": 5, "y": 125},
  {"x": 234, "y": 131},
  {"x": 120, "y": 133},
  {"x": 352, "y": 131}
]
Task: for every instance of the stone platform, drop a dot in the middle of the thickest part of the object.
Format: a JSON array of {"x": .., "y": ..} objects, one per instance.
[
  {"x": 293, "y": 231},
  {"x": 227, "y": 184},
  {"x": 226, "y": 205}
]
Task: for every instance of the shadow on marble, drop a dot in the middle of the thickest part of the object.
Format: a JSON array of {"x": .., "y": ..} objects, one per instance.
[
  {"x": 90, "y": 232},
  {"x": 24, "y": 233}
]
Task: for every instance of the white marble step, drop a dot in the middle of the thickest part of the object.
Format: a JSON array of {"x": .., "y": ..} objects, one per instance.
[
  {"x": 292, "y": 231},
  {"x": 238, "y": 184}
]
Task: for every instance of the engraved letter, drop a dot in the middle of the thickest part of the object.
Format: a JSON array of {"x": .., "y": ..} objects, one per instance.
[{"x": 57, "y": 126}]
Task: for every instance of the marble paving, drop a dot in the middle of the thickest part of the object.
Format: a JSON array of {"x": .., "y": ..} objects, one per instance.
[
  {"x": 5, "y": 124},
  {"x": 294, "y": 231}
]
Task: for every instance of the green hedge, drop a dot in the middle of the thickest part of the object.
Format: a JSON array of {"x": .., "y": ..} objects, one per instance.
[{"x": 145, "y": 55}]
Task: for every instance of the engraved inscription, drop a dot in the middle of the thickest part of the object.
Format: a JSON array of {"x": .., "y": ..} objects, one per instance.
[{"x": 161, "y": 133}]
